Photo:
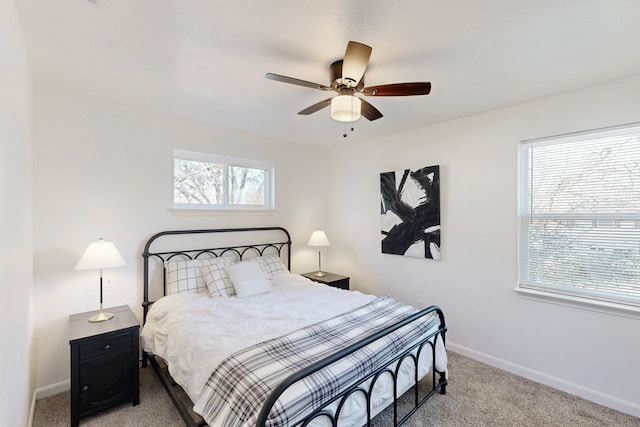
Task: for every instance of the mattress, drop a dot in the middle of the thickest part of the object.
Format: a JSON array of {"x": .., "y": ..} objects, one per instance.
[{"x": 194, "y": 333}]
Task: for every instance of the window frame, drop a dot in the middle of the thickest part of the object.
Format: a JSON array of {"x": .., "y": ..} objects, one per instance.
[
  {"x": 553, "y": 291},
  {"x": 226, "y": 162}
]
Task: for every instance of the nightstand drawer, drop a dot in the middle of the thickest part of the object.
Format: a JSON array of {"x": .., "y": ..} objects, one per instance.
[
  {"x": 330, "y": 279},
  {"x": 341, "y": 284},
  {"x": 105, "y": 347}
]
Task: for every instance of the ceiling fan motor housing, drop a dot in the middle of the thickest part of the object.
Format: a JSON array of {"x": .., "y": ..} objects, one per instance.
[{"x": 335, "y": 78}]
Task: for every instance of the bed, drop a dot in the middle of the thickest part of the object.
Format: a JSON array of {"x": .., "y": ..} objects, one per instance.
[{"x": 236, "y": 339}]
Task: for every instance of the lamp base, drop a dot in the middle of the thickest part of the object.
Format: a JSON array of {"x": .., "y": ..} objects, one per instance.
[
  {"x": 100, "y": 317},
  {"x": 319, "y": 274}
]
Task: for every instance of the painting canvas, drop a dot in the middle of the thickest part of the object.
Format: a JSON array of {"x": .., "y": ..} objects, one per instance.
[{"x": 410, "y": 212}]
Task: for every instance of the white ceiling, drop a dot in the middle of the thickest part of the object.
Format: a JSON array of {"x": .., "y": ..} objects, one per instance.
[{"x": 206, "y": 59}]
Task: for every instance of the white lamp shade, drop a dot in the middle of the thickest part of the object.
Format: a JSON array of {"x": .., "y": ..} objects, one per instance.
[
  {"x": 345, "y": 108},
  {"x": 318, "y": 238},
  {"x": 100, "y": 255}
]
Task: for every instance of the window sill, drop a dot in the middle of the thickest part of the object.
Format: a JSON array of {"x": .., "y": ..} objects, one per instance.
[
  {"x": 205, "y": 212},
  {"x": 605, "y": 307}
]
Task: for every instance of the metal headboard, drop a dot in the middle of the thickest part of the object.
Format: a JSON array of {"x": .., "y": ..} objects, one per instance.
[{"x": 240, "y": 250}]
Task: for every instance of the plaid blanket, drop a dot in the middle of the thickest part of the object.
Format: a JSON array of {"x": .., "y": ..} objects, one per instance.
[{"x": 236, "y": 390}]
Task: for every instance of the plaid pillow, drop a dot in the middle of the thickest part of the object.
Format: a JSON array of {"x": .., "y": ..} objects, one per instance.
[
  {"x": 272, "y": 266},
  {"x": 217, "y": 279},
  {"x": 184, "y": 276}
]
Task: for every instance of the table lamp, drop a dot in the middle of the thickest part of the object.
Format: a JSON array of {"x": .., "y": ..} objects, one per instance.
[
  {"x": 318, "y": 239},
  {"x": 98, "y": 256}
]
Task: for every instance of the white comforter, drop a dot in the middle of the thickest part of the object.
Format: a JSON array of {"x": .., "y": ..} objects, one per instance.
[{"x": 211, "y": 329}]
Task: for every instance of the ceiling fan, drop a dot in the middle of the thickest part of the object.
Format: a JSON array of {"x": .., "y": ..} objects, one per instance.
[{"x": 347, "y": 79}]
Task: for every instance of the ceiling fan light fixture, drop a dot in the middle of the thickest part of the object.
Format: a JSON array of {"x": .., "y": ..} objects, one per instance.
[{"x": 345, "y": 108}]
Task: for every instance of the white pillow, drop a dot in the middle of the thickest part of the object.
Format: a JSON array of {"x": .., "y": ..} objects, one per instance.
[
  {"x": 248, "y": 279},
  {"x": 217, "y": 279}
]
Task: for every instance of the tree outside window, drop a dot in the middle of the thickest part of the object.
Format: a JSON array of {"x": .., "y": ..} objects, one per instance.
[{"x": 216, "y": 182}]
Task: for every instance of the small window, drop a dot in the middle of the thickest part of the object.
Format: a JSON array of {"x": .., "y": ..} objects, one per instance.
[
  {"x": 579, "y": 214},
  {"x": 206, "y": 181}
]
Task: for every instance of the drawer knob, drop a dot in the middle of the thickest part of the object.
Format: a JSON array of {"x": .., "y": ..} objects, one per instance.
[
  {"x": 107, "y": 347},
  {"x": 85, "y": 388}
]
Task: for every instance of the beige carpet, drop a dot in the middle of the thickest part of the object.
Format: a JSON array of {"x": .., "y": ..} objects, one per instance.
[{"x": 477, "y": 395}]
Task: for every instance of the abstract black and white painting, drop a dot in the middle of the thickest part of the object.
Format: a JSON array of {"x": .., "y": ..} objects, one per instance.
[{"x": 410, "y": 211}]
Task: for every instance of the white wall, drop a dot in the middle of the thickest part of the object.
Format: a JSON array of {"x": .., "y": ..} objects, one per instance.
[
  {"x": 585, "y": 352},
  {"x": 105, "y": 170},
  {"x": 16, "y": 230}
]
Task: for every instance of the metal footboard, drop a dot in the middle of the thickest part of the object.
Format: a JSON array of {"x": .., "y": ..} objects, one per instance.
[{"x": 429, "y": 341}]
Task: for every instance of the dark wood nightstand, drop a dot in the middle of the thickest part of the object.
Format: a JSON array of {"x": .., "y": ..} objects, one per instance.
[
  {"x": 104, "y": 362},
  {"x": 335, "y": 280}
]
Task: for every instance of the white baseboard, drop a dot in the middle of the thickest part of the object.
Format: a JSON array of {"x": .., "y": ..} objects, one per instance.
[
  {"x": 46, "y": 391},
  {"x": 52, "y": 389},
  {"x": 557, "y": 383},
  {"x": 32, "y": 411}
]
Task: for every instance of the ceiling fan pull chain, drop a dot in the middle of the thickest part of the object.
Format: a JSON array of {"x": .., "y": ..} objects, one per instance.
[{"x": 344, "y": 135}]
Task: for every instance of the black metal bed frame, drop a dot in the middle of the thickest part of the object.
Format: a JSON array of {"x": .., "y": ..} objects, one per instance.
[{"x": 183, "y": 403}]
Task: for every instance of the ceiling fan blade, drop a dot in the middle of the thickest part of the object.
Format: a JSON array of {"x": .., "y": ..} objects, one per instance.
[
  {"x": 316, "y": 107},
  {"x": 291, "y": 80},
  {"x": 398, "y": 89},
  {"x": 356, "y": 59},
  {"x": 369, "y": 112}
]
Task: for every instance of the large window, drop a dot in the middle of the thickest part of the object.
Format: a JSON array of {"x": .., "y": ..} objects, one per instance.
[
  {"x": 579, "y": 214},
  {"x": 216, "y": 182}
]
